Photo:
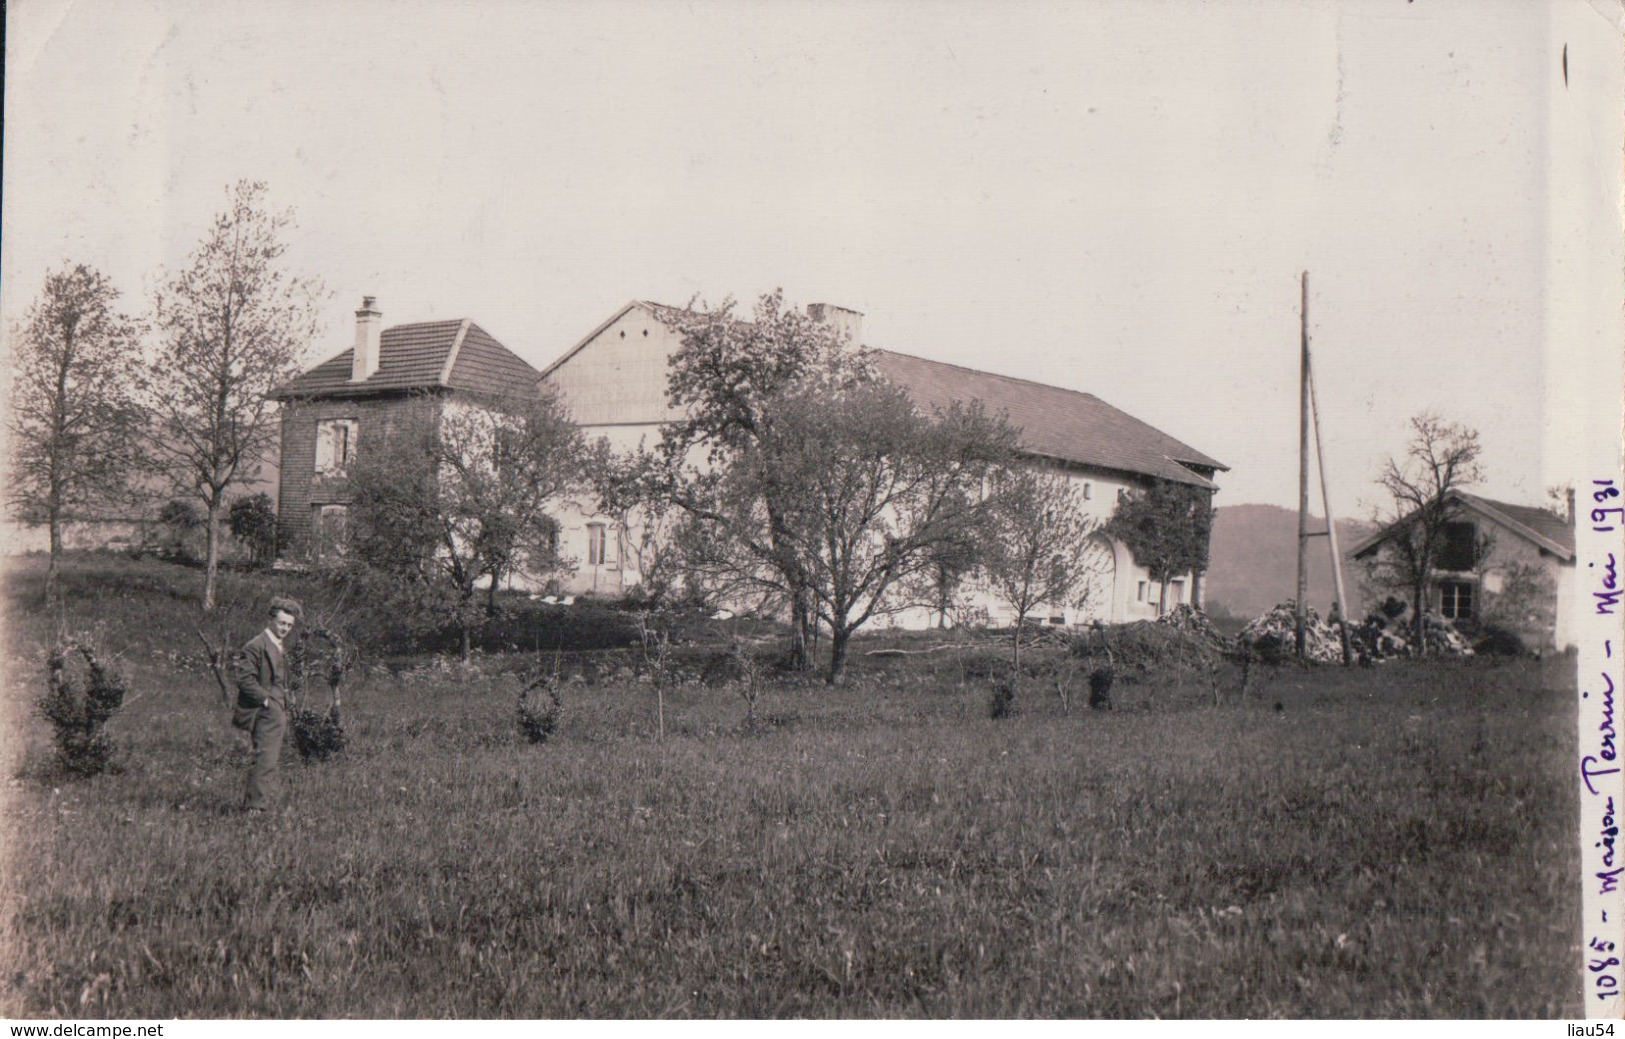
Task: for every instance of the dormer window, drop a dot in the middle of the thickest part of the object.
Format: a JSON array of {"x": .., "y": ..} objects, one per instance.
[{"x": 335, "y": 446}]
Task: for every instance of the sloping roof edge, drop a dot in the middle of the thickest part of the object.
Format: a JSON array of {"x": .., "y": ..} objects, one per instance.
[{"x": 1193, "y": 478}]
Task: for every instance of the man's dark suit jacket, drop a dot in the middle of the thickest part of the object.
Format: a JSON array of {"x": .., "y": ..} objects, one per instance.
[{"x": 260, "y": 675}]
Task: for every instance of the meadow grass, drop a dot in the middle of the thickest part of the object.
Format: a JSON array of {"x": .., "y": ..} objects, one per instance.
[{"x": 1392, "y": 842}]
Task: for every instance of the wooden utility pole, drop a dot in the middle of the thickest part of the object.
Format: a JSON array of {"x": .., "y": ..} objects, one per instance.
[
  {"x": 1342, "y": 603},
  {"x": 1303, "y": 464}
]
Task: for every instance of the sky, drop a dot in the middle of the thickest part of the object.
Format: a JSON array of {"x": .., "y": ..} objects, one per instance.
[{"x": 1112, "y": 197}]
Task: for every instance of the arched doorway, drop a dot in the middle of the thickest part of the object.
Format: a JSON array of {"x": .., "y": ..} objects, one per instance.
[{"x": 1100, "y": 579}]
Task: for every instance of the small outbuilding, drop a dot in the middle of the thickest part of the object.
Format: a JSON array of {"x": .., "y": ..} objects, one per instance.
[{"x": 1511, "y": 566}]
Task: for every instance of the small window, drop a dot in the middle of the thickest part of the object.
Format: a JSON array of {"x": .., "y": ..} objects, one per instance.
[
  {"x": 1176, "y": 592},
  {"x": 1456, "y": 600},
  {"x": 335, "y": 445},
  {"x": 1459, "y": 551},
  {"x": 597, "y": 544},
  {"x": 1088, "y": 490},
  {"x": 1139, "y": 596}
]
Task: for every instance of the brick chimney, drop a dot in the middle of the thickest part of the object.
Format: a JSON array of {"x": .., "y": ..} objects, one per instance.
[
  {"x": 369, "y": 327},
  {"x": 848, "y": 324}
]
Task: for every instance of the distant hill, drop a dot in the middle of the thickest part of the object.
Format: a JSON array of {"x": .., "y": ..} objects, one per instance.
[{"x": 1254, "y": 560}]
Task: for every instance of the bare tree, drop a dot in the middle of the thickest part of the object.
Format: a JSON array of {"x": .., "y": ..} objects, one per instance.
[
  {"x": 1441, "y": 457},
  {"x": 1035, "y": 548},
  {"x": 75, "y": 427},
  {"x": 231, "y": 326}
]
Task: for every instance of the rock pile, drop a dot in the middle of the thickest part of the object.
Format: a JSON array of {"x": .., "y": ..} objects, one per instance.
[
  {"x": 1273, "y": 636},
  {"x": 1379, "y": 638}
]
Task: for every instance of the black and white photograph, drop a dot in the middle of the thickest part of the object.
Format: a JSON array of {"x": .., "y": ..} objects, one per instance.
[{"x": 783, "y": 510}]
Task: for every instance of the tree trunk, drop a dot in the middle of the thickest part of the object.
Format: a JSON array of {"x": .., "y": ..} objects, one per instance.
[
  {"x": 1015, "y": 657},
  {"x": 468, "y": 641},
  {"x": 837, "y": 653},
  {"x": 1162, "y": 598},
  {"x": 213, "y": 566},
  {"x": 1418, "y": 612},
  {"x": 800, "y": 658},
  {"x": 53, "y": 570},
  {"x": 491, "y": 598}
]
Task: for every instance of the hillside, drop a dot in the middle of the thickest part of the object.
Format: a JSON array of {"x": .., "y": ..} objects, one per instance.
[{"x": 1254, "y": 562}]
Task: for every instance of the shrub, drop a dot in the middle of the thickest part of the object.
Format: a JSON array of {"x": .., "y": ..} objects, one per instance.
[
  {"x": 317, "y": 737},
  {"x": 537, "y": 723},
  {"x": 1144, "y": 645},
  {"x": 78, "y": 705},
  {"x": 1499, "y": 641},
  {"x": 253, "y": 522},
  {"x": 1100, "y": 688}
]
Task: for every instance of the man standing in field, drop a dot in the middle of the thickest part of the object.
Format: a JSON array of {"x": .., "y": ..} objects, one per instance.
[{"x": 262, "y": 702}]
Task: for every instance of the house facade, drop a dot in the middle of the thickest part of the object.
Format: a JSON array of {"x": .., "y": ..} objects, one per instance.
[
  {"x": 614, "y": 383},
  {"x": 1512, "y": 566},
  {"x": 390, "y": 382}
]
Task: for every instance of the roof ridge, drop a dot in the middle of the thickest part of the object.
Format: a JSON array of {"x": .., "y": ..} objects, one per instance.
[
  {"x": 420, "y": 324},
  {"x": 456, "y": 348},
  {"x": 996, "y": 375}
]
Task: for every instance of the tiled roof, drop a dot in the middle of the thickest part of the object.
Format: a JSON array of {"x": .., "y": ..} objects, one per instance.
[
  {"x": 1054, "y": 423},
  {"x": 415, "y": 356},
  {"x": 1062, "y": 424},
  {"x": 1546, "y": 530},
  {"x": 484, "y": 365}
]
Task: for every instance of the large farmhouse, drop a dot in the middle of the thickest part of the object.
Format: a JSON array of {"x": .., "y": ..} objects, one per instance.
[
  {"x": 614, "y": 382},
  {"x": 1503, "y": 564},
  {"x": 391, "y": 379}
]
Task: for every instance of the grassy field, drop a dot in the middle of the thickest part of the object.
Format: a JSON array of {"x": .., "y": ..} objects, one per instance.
[{"x": 1393, "y": 842}]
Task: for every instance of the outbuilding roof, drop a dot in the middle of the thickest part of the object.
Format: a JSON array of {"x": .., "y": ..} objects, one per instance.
[
  {"x": 457, "y": 354},
  {"x": 1544, "y": 529}
]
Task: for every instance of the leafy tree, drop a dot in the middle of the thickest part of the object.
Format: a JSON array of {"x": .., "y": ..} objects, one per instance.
[
  {"x": 253, "y": 522},
  {"x": 868, "y": 495},
  {"x": 728, "y": 377},
  {"x": 1441, "y": 458},
  {"x": 231, "y": 326},
  {"x": 1035, "y": 544},
  {"x": 461, "y": 497},
  {"x": 1167, "y": 527},
  {"x": 74, "y": 422}
]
